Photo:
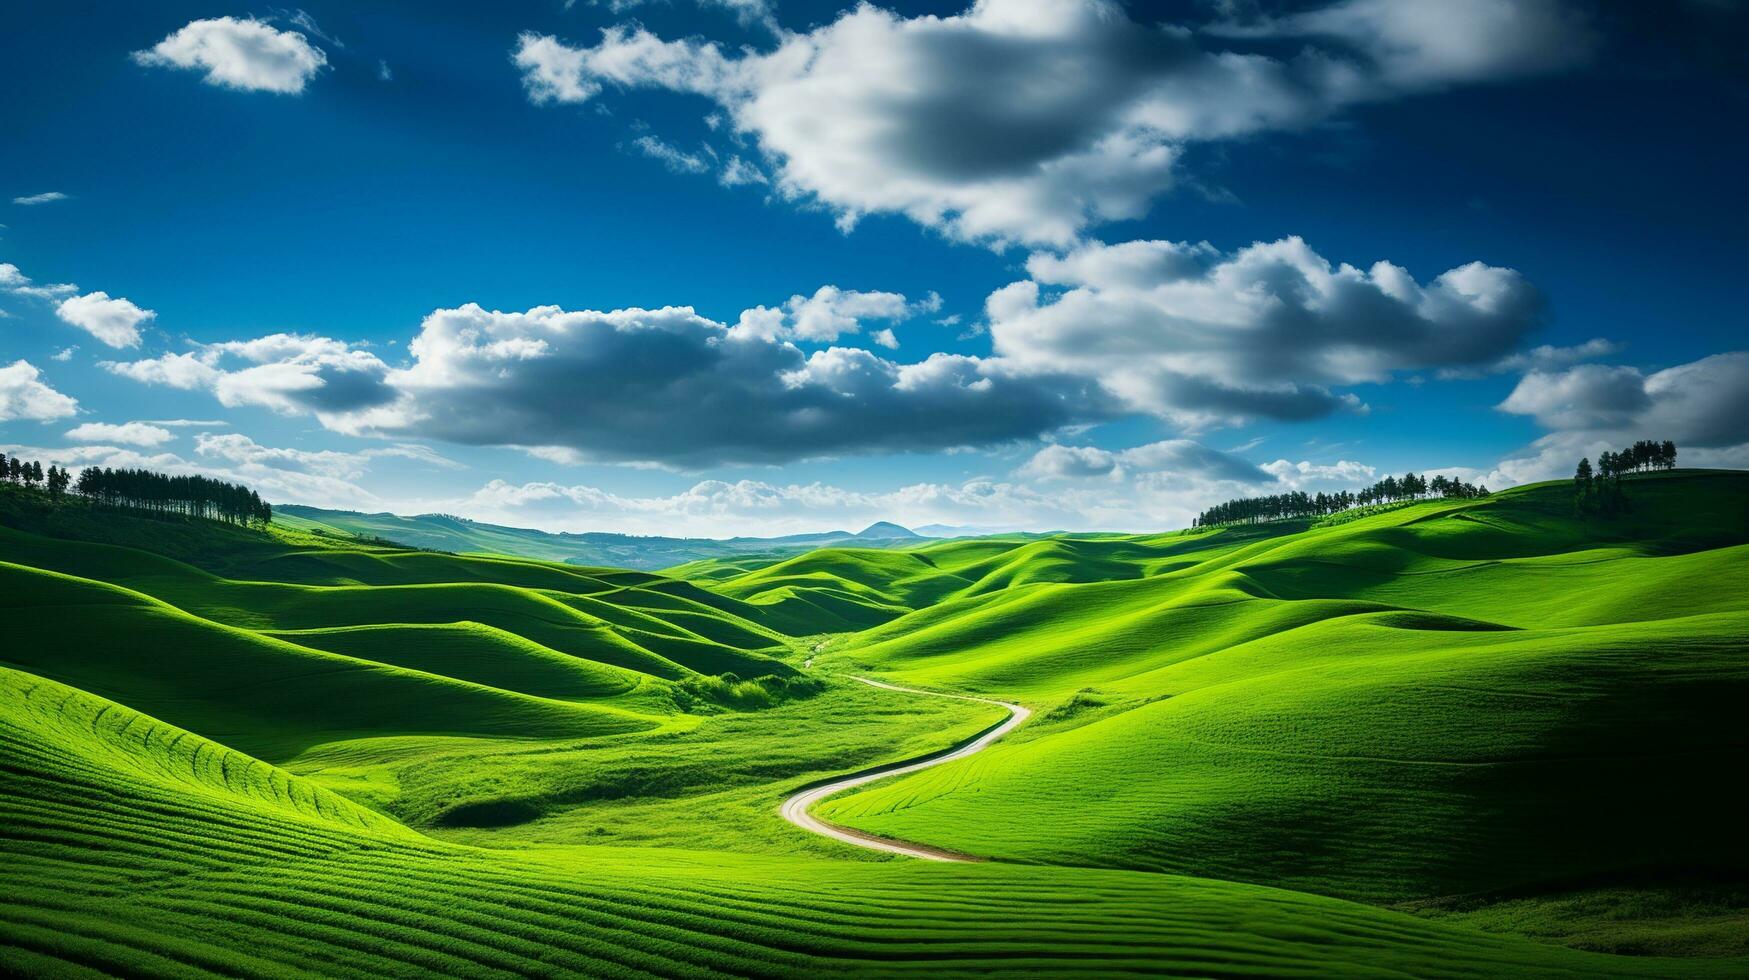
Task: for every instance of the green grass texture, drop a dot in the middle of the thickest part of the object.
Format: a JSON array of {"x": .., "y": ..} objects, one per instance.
[{"x": 1456, "y": 738}]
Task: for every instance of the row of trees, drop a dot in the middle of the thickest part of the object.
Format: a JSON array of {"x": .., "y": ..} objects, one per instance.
[
  {"x": 193, "y": 496},
  {"x": 1599, "y": 489},
  {"x": 144, "y": 490},
  {"x": 1638, "y": 458},
  {"x": 30, "y": 473},
  {"x": 1391, "y": 489}
]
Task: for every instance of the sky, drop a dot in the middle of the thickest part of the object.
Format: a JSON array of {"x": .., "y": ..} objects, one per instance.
[{"x": 720, "y": 267}]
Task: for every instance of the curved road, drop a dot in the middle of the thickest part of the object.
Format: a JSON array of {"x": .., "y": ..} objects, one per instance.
[{"x": 795, "y": 809}]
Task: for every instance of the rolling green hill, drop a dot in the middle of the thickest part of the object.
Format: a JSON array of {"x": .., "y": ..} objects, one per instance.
[{"x": 1456, "y": 738}]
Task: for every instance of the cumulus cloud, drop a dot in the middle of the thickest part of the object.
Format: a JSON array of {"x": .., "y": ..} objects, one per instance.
[
  {"x": 1027, "y": 121},
  {"x": 1207, "y": 338},
  {"x": 831, "y": 313},
  {"x": 244, "y": 54},
  {"x": 14, "y": 281},
  {"x": 24, "y": 395},
  {"x": 115, "y": 321},
  {"x": 127, "y": 433},
  {"x": 665, "y": 386},
  {"x": 47, "y": 197},
  {"x": 1591, "y": 396},
  {"x": 65, "y": 353},
  {"x": 1703, "y": 406},
  {"x": 288, "y": 373},
  {"x": 1180, "y": 456}
]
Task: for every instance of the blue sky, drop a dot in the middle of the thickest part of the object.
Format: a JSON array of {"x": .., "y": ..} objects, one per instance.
[{"x": 496, "y": 181}]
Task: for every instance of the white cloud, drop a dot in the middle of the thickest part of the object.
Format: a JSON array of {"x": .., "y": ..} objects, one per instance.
[
  {"x": 828, "y": 314},
  {"x": 552, "y": 72},
  {"x": 47, "y": 197},
  {"x": 24, "y": 395},
  {"x": 14, "y": 281},
  {"x": 1703, "y": 406},
  {"x": 185, "y": 371},
  {"x": 750, "y": 13},
  {"x": 128, "y": 433},
  {"x": 1207, "y": 338},
  {"x": 288, "y": 373},
  {"x": 1431, "y": 43},
  {"x": 1591, "y": 396},
  {"x": 1545, "y": 357},
  {"x": 1183, "y": 457},
  {"x": 672, "y": 157},
  {"x": 738, "y": 173},
  {"x": 247, "y": 455},
  {"x": 1027, "y": 121},
  {"x": 115, "y": 321},
  {"x": 1344, "y": 474},
  {"x": 416, "y": 453},
  {"x": 247, "y": 55},
  {"x": 65, "y": 353},
  {"x": 663, "y": 386}
]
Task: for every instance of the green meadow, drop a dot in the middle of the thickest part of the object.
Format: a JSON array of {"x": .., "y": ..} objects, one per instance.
[{"x": 1481, "y": 737}]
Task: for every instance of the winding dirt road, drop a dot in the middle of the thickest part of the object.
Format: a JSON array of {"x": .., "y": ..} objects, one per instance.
[{"x": 795, "y": 809}]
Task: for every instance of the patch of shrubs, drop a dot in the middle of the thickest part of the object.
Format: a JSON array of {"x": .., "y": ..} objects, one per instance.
[{"x": 730, "y": 691}]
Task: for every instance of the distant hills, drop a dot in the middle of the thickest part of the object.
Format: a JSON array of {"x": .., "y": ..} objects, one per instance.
[{"x": 443, "y": 532}]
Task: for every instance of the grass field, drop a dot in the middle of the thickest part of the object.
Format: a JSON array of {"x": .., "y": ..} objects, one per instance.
[{"x": 1457, "y": 738}]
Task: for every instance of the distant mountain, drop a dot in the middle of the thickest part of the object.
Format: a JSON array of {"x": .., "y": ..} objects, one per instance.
[
  {"x": 443, "y": 532},
  {"x": 959, "y": 531},
  {"x": 886, "y": 529}
]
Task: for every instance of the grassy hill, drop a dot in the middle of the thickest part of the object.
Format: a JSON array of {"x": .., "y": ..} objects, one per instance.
[
  {"x": 1449, "y": 699},
  {"x": 1457, "y": 738}
]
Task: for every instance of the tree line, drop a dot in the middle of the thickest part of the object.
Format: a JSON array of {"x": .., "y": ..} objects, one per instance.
[
  {"x": 30, "y": 473},
  {"x": 1598, "y": 489},
  {"x": 144, "y": 490},
  {"x": 1298, "y": 503}
]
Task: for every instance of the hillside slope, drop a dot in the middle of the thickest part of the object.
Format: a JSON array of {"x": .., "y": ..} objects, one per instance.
[
  {"x": 134, "y": 848},
  {"x": 258, "y": 753},
  {"x": 1449, "y": 699}
]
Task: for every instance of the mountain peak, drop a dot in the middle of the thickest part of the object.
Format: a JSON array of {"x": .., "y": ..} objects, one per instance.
[{"x": 886, "y": 529}]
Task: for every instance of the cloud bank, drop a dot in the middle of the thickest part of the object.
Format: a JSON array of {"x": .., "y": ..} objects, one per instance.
[
  {"x": 664, "y": 386},
  {"x": 1205, "y": 338},
  {"x": 1029, "y": 120}
]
